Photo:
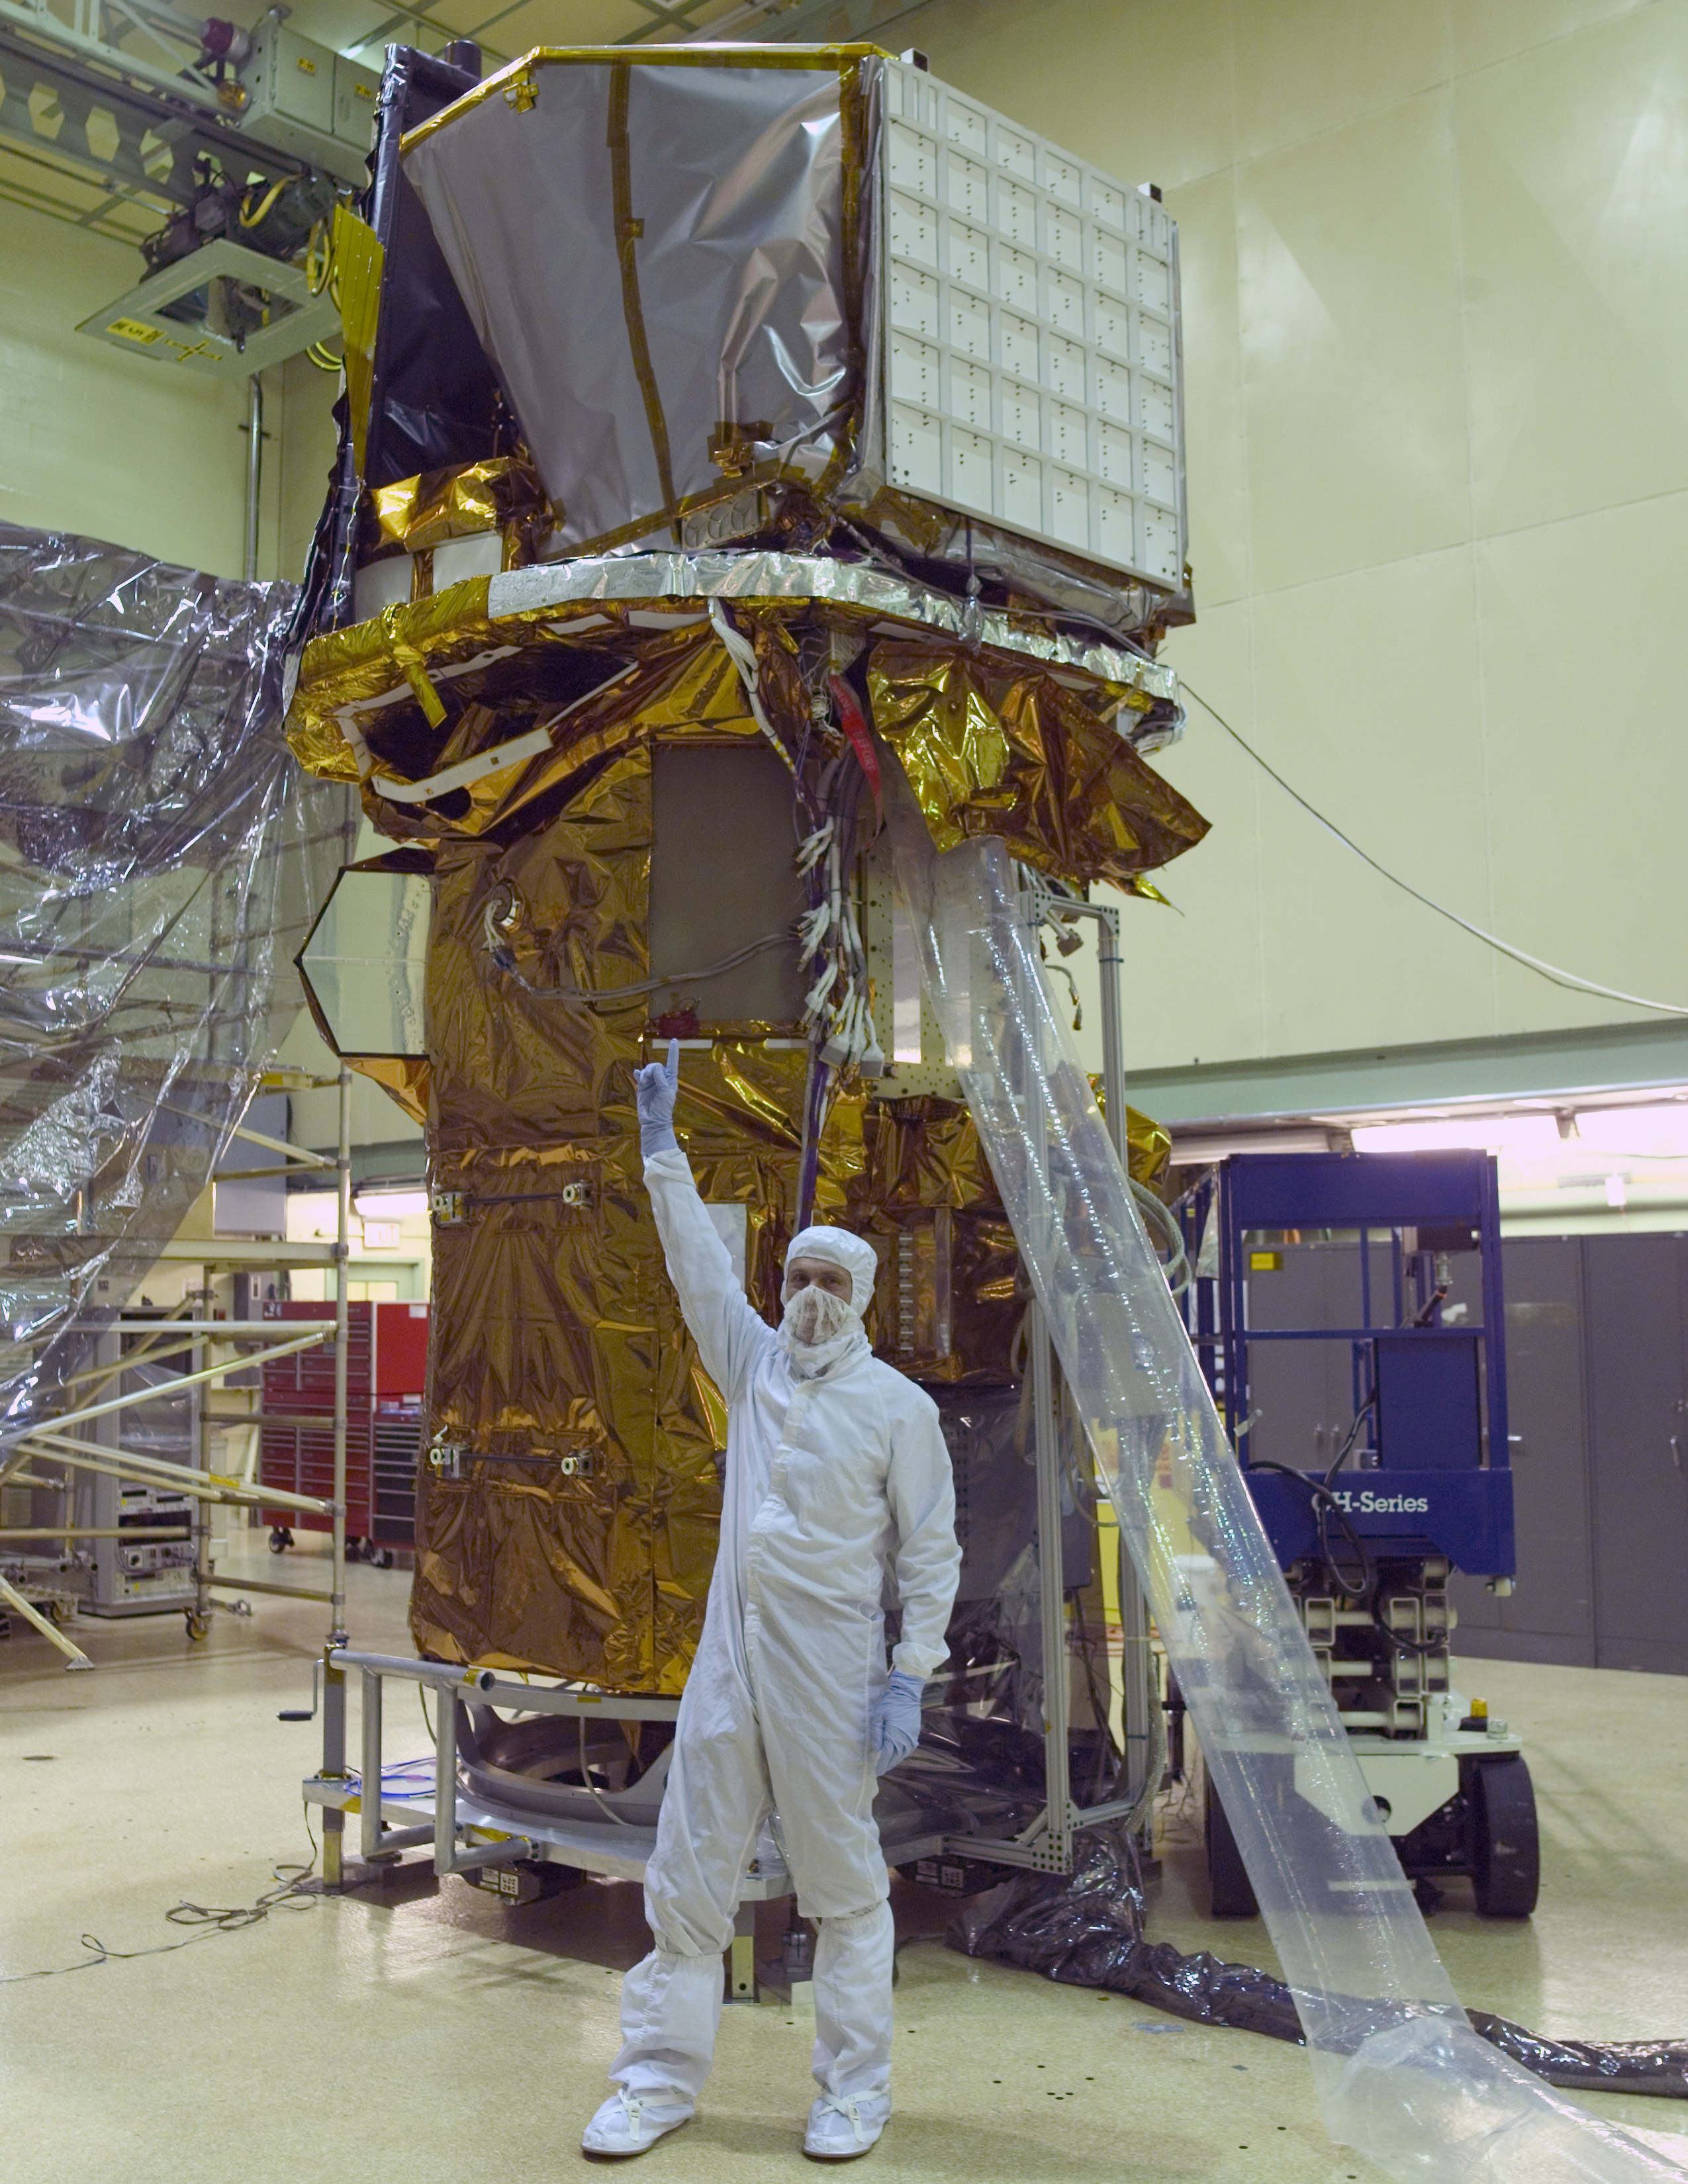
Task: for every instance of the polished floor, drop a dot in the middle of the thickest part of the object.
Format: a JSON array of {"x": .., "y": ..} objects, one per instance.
[{"x": 425, "y": 2030}]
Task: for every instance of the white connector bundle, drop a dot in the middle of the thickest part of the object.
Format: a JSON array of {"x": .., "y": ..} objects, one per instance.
[
  {"x": 836, "y": 1009},
  {"x": 850, "y": 1038}
]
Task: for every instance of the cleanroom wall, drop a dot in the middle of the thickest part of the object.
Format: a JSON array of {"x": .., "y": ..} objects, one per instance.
[
  {"x": 1435, "y": 305},
  {"x": 148, "y": 455}
]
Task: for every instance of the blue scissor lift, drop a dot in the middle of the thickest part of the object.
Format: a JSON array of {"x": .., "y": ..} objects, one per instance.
[{"x": 1414, "y": 1483}]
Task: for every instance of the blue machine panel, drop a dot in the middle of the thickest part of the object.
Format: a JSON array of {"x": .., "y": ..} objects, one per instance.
[
  {"x": 1465, "y": 1515},
  {"x": 1426, "y": 1471},
  {"x": 1430, "y": 1400},
  {"x": 1359, "y": 1190}
]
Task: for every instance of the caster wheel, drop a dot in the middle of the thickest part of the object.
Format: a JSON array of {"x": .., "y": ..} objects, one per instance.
[
  {"x": 197, "y": 1624},
  {"x": 1232, "y": 1896},
  {"x": 386, "y": 1558},
  {"x": 1505, "y": 1856},
  {"x": 280, "y": 1538}
]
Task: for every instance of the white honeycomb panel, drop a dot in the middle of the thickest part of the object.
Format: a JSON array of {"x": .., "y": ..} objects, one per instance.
[{"x": 1031, "y": 352}]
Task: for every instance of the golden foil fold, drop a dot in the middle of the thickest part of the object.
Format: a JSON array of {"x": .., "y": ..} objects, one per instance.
[{"x": 502, "y": 493}]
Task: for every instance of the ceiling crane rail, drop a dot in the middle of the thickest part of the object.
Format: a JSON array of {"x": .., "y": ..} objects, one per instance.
[{"x": 146, "y": 140}]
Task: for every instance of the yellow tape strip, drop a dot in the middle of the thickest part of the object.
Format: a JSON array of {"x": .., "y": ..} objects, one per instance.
[
  {"x": 517, "y": 72},
  {"x": 627, "y": 233},
  {"x": 408, "y": 661},
  {"x": 356, "y": 256},
  {"x": 709, "y": 497},
  {"x": 853, "y": 130}
]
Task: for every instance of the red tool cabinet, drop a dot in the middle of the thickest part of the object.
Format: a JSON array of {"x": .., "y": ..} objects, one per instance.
[{"x": 386, "y": 1372}]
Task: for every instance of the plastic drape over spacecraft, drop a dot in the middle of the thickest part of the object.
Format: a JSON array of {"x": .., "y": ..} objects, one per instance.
[
  {"x": 1399, "y": 2070},
  {"x": 159, "y": 857}
]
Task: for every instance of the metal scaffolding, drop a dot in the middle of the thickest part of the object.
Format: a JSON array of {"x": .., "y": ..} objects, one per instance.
[{"x": 57, "y": 1440}]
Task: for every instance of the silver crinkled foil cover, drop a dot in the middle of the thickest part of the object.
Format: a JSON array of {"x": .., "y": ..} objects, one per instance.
[
  {"x": 610, "y": 223},
  {"x": 159, "y": 855}
]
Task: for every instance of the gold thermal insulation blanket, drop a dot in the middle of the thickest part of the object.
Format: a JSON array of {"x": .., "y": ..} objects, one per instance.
[
  {"x": 992, "y": 741},
  {"x": 568, "y": 1503},
  {"x": 503, "y": 493},
  {"x": 578, "y": 1531},
  {"x": 950, "y": 1296},
  {"x": 991, "y": 748}
]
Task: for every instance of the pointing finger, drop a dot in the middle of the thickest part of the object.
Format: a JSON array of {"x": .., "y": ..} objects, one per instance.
[{"x": 674, "y": 1061}]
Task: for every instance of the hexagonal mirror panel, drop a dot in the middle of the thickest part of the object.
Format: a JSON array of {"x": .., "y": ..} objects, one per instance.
[{"x": 363, "y": 963}]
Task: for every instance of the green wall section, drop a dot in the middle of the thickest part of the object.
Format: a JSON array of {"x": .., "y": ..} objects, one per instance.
[
  {"x": 1436, "y": 305},
  {"x": 147, "y": 455}
]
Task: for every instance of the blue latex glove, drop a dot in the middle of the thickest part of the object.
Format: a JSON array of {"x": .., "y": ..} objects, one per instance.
[
  {"x": 894, "y": 1726},
  {"x": 654, "y": 1088}
]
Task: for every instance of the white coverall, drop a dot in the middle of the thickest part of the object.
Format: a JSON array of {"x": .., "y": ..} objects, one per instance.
[{"x": 829, "y": 1481}]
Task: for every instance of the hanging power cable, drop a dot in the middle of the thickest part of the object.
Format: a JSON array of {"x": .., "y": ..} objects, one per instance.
[{"x": 1568, "y": 979}]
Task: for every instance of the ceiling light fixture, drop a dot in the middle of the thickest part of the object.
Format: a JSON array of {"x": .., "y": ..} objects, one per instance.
[{"x": 390, "y": 1205}]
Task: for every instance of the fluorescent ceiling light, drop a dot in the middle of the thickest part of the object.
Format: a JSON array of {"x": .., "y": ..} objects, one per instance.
[
  {"x": 391, "y": 1205},
  {"x": 1660, "y": 1132},
  {"x": 1493, "y": 1133},
  {"x": 1219, "y": 1144}
]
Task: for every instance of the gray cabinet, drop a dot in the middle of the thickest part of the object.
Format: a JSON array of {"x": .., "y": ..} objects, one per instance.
[
  {"x": 1596, "y": 1383},
  {"x": 1597, "y": 1395},
  {"x": 1637, "y": 1391},
  {"x": 1551, "y": 1615}
]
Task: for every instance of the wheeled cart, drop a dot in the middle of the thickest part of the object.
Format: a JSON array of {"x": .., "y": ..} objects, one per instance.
[{"x": 1348, "y": 1314}]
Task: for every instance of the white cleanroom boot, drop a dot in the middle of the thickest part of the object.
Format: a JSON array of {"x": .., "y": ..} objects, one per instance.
[
  {"x": 631, "y": 2123},
  {"x": 842, "y": 2125}
]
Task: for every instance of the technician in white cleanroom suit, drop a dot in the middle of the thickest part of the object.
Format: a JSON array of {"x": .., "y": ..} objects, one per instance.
[{"x": 836, "y": 1471}]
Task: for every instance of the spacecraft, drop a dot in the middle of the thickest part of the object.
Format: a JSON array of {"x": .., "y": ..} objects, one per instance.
[{"x": 809, "y": 419}]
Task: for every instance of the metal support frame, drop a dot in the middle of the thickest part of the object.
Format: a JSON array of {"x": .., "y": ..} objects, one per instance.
[
  {"x": 12, "y": 1598},
  {"x": 334, "y": 1677},
  {"x": 342, "y": 1326},
  {"x": 1047, "y": 1845},
  {"x": 466, "y": 1846},
  {"x": 1055, "y": 1841},
  {"x": 447, "y": 1858},
  {"x": 456, "y": 1848},
  {"x": 254, "y": 471},
  {"x": 164, "y": 118},
  {"x": 463, "y": 1837},
  {"x": 741, "y": 1955}
]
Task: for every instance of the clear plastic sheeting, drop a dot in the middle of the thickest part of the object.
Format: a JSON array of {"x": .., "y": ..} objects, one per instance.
[
  {"x": 1086, "y": 1930},
  {"x": 160, "y": 855},
  {"x": 1400, "y": 2072}
]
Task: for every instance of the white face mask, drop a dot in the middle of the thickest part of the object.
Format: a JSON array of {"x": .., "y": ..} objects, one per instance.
[{"x": 814, "y": 1316}]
